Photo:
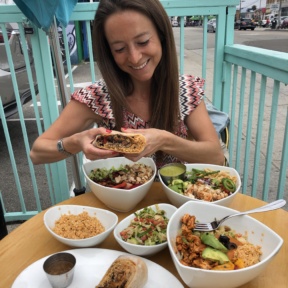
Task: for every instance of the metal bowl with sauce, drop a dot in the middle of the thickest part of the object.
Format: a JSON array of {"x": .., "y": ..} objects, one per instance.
[
  {"x": 59, "y": 269},
  {"x": 172, "y": 171}
]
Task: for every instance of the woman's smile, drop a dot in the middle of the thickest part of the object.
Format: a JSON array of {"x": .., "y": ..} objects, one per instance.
[{"x": 141, "y": 66}]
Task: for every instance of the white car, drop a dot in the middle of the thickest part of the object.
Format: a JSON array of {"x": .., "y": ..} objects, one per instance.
[
  {"x": 6, "y": 85},
  {"x": 175, "y": 23},
  {"x": 211, "y": 26}
]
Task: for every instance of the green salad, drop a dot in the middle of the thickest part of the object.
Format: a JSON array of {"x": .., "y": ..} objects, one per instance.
[
  {"x": 148, "y": 227},
  {"x": 124, "y": 177}
]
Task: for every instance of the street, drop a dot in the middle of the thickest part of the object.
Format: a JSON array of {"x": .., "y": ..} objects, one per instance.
[{"x": 260, "y": 37}]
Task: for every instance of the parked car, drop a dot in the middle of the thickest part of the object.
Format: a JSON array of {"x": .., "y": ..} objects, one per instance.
[
  {"x": 267, "y": 21},
  {"x": 175, "y": 23},
  {"x": 276, "y": 24},
  {"x": 244, "y": 23},
  {"x": 284, "y": 22},
  {"x": 211, "y": 25},
  {"x": 6, "y": 85}
]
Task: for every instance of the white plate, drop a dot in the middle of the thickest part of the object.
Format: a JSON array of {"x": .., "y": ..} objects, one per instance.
[{"x": 91, "y": 265}]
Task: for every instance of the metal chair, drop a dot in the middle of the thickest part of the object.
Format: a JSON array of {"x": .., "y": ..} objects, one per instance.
[{"x": 3, "y": 227}]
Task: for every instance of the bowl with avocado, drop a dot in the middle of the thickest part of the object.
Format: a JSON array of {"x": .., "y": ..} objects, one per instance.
[
  {"x": 226, "y": 258},
  {"x": 172, "y": 171},
  {"x": 202, "y": 182}
]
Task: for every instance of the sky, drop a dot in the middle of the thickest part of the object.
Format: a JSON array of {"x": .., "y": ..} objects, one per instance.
[{"x": 249, "y": 3}]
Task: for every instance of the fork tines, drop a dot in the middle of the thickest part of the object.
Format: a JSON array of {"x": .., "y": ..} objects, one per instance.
[{"x": 203, "y": 227}]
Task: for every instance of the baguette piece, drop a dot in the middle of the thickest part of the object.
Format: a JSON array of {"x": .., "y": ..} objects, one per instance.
[
  {"x": 127, "y": 271},
  {"x": 120, "y": 142}
]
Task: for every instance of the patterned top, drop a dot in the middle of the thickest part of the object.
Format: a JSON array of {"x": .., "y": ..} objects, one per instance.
[{"x": 97, "y": 98}]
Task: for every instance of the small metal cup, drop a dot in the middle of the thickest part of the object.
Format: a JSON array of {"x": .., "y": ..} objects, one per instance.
[
  {"x": 168, "y": 179},
  {"x": 59, "y": 269}
]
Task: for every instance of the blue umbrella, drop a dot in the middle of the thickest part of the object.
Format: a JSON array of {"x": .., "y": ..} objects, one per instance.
[
  {"x": 46, "y": 15},
  {"x": 42, "y": 12}
]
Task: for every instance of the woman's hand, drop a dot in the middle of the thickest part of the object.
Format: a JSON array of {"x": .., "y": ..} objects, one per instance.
[
  {"x": 90, "y": 151},
  {"x": 154, "y": 142}
]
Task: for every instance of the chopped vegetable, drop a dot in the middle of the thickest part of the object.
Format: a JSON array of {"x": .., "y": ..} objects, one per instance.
[
  {"x": 147, "y": 228},
  {"x": 125, "y": 177},
  {"x": 206, "y": 184}
]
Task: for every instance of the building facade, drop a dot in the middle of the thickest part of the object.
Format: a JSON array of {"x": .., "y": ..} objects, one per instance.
[{"x": 273, "y": 6}]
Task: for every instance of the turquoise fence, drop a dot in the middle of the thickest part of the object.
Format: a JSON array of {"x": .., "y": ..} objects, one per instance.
[{"x": 248, "y": 83}]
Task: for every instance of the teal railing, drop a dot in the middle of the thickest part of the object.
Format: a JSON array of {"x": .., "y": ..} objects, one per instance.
[{"x": 246, "y": 82}]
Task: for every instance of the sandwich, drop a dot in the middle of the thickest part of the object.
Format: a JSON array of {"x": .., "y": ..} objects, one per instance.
[
  {"x": 127, "y": 271},
  {"x": 120, "y": 142}
]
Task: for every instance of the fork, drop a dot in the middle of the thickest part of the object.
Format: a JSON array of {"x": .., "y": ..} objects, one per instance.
[{"x": 210, "y": 226}]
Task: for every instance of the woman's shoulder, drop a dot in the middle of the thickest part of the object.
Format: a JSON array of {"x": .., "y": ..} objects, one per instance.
[
  {"x": 96, "y": 89},
  {"x": 191, "y": 92},
  {"x": 188, "y": 80},
  {"x": 96, "y": 96}
]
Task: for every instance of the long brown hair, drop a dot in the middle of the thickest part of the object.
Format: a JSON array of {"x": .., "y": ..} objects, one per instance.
[{"x": 164, "y": 108}]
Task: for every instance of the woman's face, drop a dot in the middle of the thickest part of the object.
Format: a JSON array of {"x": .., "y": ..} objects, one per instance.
[{"x": 134, "y": 43}]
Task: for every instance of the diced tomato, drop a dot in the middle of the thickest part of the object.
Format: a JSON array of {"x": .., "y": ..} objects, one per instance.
[
  {"x": 134, "y": 186},
  {"x": 120, "y": 185}
]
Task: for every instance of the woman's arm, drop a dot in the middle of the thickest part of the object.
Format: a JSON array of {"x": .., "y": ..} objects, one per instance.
[
  {"x": 205, "y": 149},
  {"x": 73, "y": 127}
]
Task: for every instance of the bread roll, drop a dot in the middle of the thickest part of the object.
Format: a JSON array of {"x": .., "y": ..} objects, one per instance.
[
  {"x": 120, "y": 142},
  {"x": 127, "y": 271}
]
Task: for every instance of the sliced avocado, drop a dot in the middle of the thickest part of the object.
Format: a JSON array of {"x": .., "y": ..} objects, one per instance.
[
  {"x": 177, "y": 181},
  {"x": 210, "y": 240},
  {"x": 176, "y": 188},
  {"x": 185, "y": 184},
  {"x": 214, "y": 255}
]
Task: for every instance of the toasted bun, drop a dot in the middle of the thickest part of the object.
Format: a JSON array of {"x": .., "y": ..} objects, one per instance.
[
  {"x": 120, "y": 142},
  {"x": 127, "y": 271}
]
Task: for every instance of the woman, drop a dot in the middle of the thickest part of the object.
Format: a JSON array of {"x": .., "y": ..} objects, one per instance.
[{"x": 136, "y": 54}]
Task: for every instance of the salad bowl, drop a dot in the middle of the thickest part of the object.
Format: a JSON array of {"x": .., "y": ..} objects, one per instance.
[
  {"x": 257, "y": 234},
  {"x": 178, "y": 199},
  {"x": 133, "y": 246},
  {"x": 119, "y": 199}
]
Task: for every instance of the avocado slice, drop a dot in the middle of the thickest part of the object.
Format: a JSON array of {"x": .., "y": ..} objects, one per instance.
[
  {"x": 214, "y": 255},
  {"x": 177, "y": 181},
  {"x": 176, "y": 188},
  {"x": 210, "y": 240}
]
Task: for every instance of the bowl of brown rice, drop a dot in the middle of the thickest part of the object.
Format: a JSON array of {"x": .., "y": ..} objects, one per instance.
[{"x": 79, "y": 226}]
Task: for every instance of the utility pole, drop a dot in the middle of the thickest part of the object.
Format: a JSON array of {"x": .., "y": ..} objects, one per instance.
[
  {"x": 240, "y": 9},
  {"x": 279, "y": 15}
]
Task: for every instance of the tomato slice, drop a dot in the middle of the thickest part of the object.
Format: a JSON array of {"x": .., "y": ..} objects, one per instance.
[{"x": 120, "y": 185}]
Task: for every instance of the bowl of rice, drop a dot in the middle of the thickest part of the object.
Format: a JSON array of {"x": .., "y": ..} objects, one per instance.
[
  {"x": 79, "y": 226},
  {"x": 118, "y": 182},
  {"x": 228, "y": 257},
  {"x": 203, "y": 182}
]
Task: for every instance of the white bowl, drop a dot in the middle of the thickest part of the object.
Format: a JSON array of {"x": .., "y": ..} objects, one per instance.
[
  {"x": 177, "y": 199},
  {"x": 121, "y": 200},
  {"x": 258, "y": 234},
  {"x": 108, "y": 220},
  {"x": 140, "y": 249}
]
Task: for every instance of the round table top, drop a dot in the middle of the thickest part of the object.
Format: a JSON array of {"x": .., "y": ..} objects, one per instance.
[{"x": 31, "y": 241}]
